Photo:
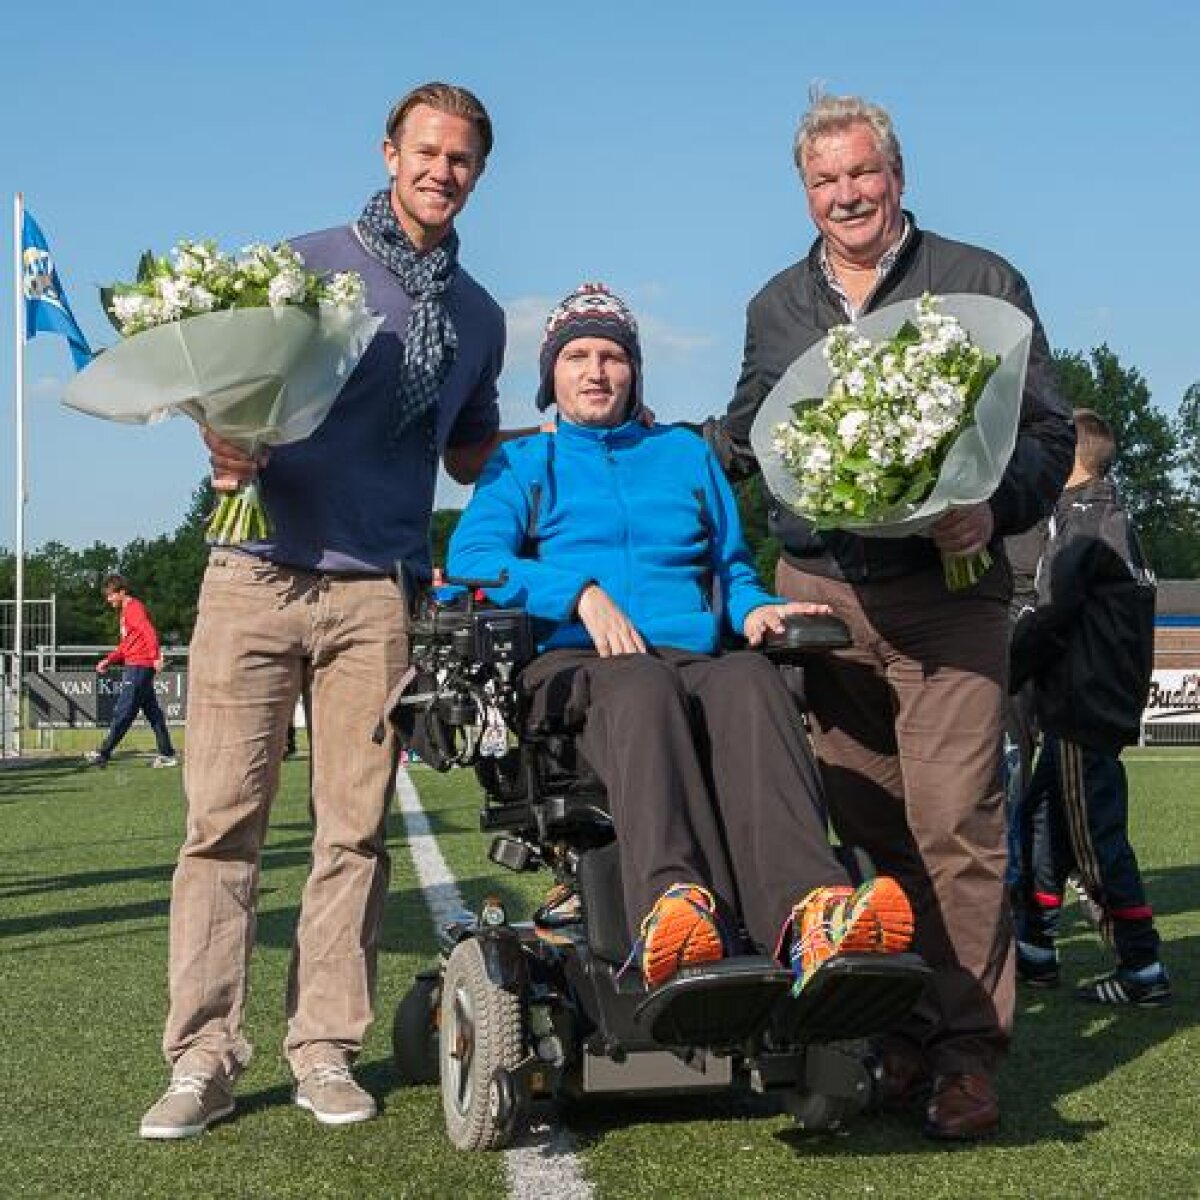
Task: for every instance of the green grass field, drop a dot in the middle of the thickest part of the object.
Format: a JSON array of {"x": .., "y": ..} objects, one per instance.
[{"x": 1095, "y": 1103}]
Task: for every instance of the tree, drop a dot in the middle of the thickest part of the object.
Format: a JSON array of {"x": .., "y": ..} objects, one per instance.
[
  {"x": 74, "y": 577},
  {"x": 1186, "y": 532},
  {"x": 1187, "y": 438},
  {"x": 167, "y": 571},
  {"x": 441, "y": 529},
  {"x": 753, "y": 507},
  {"x": 1146, "y": 453}
]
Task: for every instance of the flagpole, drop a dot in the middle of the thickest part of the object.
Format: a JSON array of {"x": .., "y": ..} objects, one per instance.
[{"x": 19, "y": 547}]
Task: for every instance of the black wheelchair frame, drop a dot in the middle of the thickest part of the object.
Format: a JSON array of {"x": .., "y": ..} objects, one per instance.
[{"x": 516, "y": 1011}]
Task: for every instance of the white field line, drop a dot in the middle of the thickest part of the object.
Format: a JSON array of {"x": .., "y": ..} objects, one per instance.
[{"x": 545, "y": 1164}]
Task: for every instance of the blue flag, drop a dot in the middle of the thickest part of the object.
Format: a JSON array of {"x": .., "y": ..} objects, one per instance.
[{"x": 46, "y": 307}]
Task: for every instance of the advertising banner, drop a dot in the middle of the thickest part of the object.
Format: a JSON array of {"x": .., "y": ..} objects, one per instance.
[
  {"x": 1172, "y": 712},
  {"x": 83, "y": 699}
]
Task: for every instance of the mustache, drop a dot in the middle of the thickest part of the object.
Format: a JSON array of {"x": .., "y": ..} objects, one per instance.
[{"x": 845, "y": 212}]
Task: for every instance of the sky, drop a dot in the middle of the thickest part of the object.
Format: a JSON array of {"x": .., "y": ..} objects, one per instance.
[{"x": 647, "y": 145}]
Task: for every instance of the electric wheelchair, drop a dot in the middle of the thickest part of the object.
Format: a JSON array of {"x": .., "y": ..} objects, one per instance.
[{"x": 552, "y": 1008}]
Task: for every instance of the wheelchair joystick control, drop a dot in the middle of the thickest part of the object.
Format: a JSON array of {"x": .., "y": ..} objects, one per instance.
[
  {"x": 492, "y": 913},
  {"x": 804, "y": 635}
]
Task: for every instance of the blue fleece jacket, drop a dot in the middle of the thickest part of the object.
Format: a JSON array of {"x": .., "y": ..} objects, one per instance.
[{"x": 644, "y": 513}]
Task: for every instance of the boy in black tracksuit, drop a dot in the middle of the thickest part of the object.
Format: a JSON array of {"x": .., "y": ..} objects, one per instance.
[{"x": 1088, "y": 645}]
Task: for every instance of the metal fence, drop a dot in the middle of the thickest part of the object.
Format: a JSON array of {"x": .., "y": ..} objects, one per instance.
[
  {"x": 10, "y": 709},
  {"x": 40, "y": 625},
  {"x": 1179, "y": 733}
]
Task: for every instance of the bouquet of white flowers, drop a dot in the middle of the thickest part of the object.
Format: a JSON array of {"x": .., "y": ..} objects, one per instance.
[
  {"x": 255, "y": 347},
  {"x": 887, "y": 423}
]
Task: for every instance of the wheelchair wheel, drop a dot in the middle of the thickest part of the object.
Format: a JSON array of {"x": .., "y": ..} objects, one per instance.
[
  {"x": 480, "y": 1045},
  {"x": 815, "y": 1112},
  {"x": 415, "y": 1032}
]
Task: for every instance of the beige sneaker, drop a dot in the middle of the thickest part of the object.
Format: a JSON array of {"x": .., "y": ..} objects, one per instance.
[
  {"x": 329, "y": 1092},
  {"x": 191, "y": 1103}
]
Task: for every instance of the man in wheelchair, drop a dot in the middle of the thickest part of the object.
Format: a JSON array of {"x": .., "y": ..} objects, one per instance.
[{"x": 614, "y": 535}]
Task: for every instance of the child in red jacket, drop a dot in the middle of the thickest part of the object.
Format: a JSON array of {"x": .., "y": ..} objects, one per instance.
[{"x": 139, "y": 656}]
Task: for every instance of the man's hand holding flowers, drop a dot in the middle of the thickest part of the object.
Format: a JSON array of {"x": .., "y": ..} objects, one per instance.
[
  {"x": 963, "y": 532},
  {"x": 255, "y": 348},
  {"x": 232, "y": 467},
  {"x": 908, "y": 434}
]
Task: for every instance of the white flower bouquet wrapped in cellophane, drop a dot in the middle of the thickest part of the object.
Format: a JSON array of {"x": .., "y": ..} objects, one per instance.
[
  {"x": 256, "y": 348},
  {"x": 886, "y": 424}
]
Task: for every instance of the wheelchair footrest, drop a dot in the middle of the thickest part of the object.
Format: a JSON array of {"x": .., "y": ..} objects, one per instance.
[
  {"x": 716, "y": 1006},
  {"x": 852, "y": 996}
]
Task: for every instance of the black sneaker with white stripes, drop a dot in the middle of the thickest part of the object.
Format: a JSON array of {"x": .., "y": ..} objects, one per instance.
[{"x": 1148, "y": 987}]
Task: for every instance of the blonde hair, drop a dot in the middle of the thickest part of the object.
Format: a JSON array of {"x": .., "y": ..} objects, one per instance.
[{"x": 447, "y": 98}]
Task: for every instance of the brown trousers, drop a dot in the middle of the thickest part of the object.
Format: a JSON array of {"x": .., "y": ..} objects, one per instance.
[
  {"x": 709, "y": 777},
  {"x": 263, "y": 632},
  {"x": 907, "y": 724}
]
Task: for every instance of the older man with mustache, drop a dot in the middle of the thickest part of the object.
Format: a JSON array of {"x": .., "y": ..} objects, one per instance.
[{"x": 908, "y": 719}]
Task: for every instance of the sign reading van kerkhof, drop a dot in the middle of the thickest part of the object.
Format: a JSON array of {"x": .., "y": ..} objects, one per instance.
[
  {"x": 1174, "y": 698},
  {"x": 70, "y": 699}
]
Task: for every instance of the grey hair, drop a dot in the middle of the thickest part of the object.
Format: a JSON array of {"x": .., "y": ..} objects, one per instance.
[{"x": 832, "y": 114}]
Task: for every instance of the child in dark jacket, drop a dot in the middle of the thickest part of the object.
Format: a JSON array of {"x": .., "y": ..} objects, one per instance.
[{"x": 1088, "y": 645}]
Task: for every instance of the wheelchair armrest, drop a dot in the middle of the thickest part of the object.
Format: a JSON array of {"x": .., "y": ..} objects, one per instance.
[{"x": 804, "y": 635}]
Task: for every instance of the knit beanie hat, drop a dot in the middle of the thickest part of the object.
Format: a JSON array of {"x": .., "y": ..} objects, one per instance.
[{"x": 589, "y": 311}]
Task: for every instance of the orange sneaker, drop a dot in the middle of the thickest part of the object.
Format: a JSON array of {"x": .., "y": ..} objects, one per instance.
[
  {"x": 680, "y": 931},
  {"x": 874, "y": 919}
]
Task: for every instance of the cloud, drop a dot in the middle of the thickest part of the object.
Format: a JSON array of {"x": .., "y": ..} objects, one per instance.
[
  {"x": 659, "y": 336},
  {"x": 526, "y": 317}
]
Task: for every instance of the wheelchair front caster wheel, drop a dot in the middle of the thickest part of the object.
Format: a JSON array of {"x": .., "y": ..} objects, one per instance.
[
  {"x": 506, "y": 1105},
  {"x": 818, "y": 1113},
  {"x": 415, "y": 1032}
]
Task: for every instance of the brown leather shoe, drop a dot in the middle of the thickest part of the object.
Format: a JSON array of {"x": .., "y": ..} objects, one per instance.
[
  {"x": 962, "y": 1108},
  {"x": 904, "y": 1079}
]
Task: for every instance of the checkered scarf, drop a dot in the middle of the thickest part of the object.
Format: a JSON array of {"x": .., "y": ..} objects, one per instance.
[{"x": 430, "y": 341}]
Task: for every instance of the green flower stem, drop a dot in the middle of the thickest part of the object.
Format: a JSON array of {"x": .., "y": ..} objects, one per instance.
[
  {"x": 965, "y": 570},
  {"x": 239, "y": 517}
]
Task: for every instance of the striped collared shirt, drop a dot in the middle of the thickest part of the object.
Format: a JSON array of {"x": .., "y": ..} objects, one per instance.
[{"x": 886, "y": 262}]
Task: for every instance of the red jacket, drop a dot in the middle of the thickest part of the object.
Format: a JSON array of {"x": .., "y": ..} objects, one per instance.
[{"x": 139, "y": 641}]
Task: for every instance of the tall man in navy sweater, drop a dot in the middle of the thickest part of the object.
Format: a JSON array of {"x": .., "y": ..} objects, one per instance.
[
  {"x": 321, "y": 608},
  {"x": 611, "y": 534}
]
